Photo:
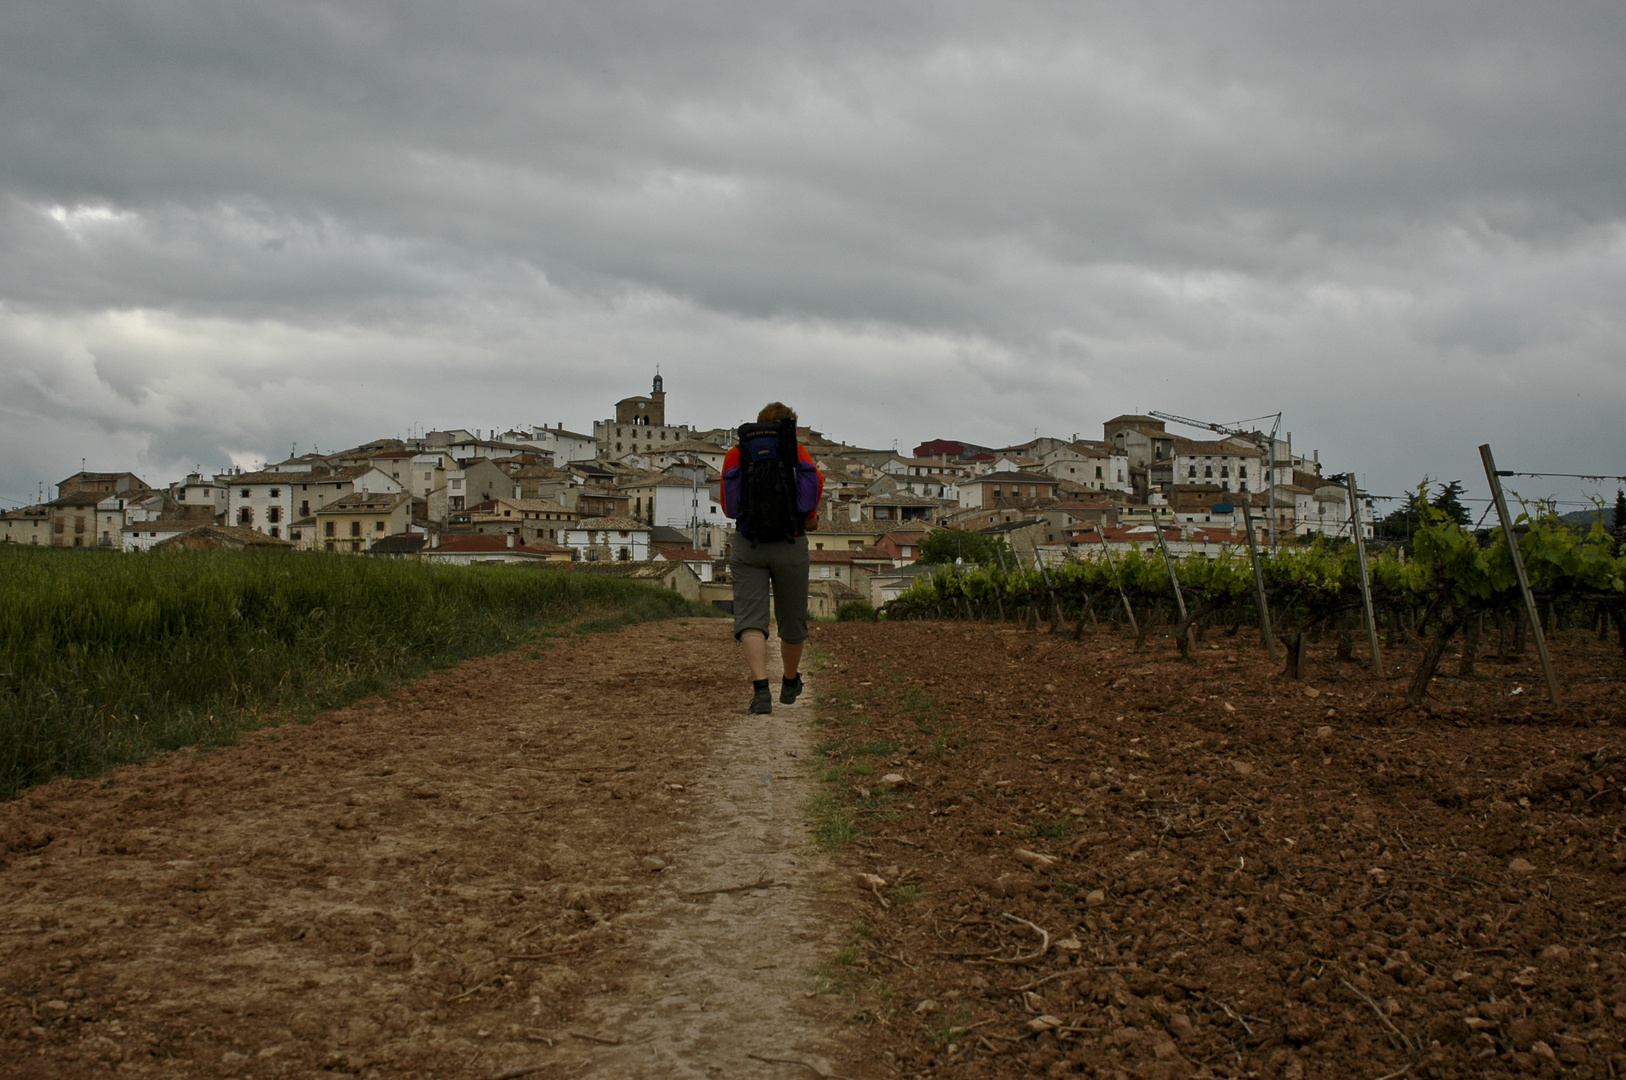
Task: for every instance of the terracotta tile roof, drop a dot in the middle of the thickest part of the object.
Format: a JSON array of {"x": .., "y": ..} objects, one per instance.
[
  {"x": 682, "y": 555},
  {"x": 617, "y": 524},
  {"x": 365, "y": 502},
  {"x": 225, "y": 536}
]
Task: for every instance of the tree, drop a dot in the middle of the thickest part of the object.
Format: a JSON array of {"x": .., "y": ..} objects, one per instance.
[
  {"x": 1449, "y": 500},
  {"x": 1403, "y": 522},
  {"x": 947, "y": 545}
]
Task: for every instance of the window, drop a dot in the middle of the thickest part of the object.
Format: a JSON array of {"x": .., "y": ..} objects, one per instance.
[
  {"x": 378, "y": 526},
  {"x": 355, "y": 528},
  {"x": 1191, "y": 471},
  {"x": 274, "y": 531},
  {"x": 624, "y": 555},
  {"x": 245, "y": 516},
  {"x": 276, "y": 493},
  {"x": 273, "y": 514},
  {"x": 245, "y": 493},
  {"x": 328, "y": 530},
  {"x": 1098, "y": 472},
  {"x": 305, "y": 508},
  {"x": 1208, "y": 470}
]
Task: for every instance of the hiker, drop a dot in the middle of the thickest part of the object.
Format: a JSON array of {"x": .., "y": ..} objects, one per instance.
[{"x": 771, "y": 487}]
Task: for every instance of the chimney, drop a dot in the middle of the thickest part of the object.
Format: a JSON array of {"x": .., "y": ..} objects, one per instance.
[
  {"x": 510, "y": 539},
  {"x": 434, "y": 540}
]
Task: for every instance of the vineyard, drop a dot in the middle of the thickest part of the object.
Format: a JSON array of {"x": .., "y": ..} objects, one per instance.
[{"x": 1449, "y": 583}]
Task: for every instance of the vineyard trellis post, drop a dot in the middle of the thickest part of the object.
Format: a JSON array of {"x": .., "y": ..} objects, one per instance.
[
  {"x": 999, "y": 590},
  {"x": 1366, "y": 581},
  {"x": 1055, "y": 605},
  {"x": 1518, "y": 569},
  {"x": 1113, "y": 570},
  {"x": 1259, "y": 583},
  {"x": 1174, "y": 580}
]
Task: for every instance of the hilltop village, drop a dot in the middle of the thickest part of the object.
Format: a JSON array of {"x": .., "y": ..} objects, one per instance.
[{"x": 639, "y": 497}]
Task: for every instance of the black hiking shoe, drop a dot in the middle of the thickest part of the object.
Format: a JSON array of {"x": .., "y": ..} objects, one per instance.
[
  {"x": 789, "y": 689},
  {"x": 761, "y": 698}
]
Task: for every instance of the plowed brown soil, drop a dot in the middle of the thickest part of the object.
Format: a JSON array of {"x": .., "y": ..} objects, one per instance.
[
  {"x": 1106, "y": 862},
  {"x": 587, "y": 862}
]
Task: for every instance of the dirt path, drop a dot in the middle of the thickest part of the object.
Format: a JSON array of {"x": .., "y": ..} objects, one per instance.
[{"x": 514, "y": 863}]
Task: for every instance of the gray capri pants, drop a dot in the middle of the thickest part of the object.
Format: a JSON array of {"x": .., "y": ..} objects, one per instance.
[{"x": 754, "y": 566}]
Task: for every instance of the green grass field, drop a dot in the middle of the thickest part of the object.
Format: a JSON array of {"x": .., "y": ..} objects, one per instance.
[{"x": 107, "y": 658}]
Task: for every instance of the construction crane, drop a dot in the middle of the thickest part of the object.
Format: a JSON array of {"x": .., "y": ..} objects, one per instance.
[{"x": 1237, "y": 429}]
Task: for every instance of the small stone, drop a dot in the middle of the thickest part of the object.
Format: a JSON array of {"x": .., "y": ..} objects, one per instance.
[
  {"x": 654, "y": 864},
  {"x": 1034, "y": 859},
  {"x": 1044, "y": 1023},
  {"x": 1323, "y": 732},
  {"x": 1522, "y": 866},
  {"x": 1311, "y": 692},
  {"x": 1070, "y": 944},
  {"x": 1095, "y": 896},
  {"x": 1050, "y": 688},
  {"x": 1243, "y": 768},
  {"x": 1523, "y": 1033},
  {"x": 1229, "y": 707},
  {"x": 1181, "y": 1028},
  {"x": 1542, "y": 1050},
  {"x": 56, "y": 1006},
  {"x": 892, "y": 778},
  {"x": 1555, "y": 952},
  {"x": 871, "y": 881}
]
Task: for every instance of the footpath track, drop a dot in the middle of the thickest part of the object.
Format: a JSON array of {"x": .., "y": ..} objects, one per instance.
[{"x": 587, "y": 861}]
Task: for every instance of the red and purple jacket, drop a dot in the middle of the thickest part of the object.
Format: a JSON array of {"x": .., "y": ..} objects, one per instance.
[{"x": 809, "y": 485}]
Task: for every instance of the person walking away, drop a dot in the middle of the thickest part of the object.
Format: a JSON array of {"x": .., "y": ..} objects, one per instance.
[{"x": 771, "y": 488}]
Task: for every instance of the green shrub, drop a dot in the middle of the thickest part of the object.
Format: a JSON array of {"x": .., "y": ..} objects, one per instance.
[{"x": 856, "y": 611}]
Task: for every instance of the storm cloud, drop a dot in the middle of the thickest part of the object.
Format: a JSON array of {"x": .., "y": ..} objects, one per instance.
[{"x": 231, "y": 228}]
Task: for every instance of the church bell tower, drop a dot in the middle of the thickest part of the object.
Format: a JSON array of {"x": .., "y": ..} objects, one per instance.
[{"x": 657, "y": 395}]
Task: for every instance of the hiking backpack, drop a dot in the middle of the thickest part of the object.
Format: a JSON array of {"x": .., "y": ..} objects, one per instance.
[{"x": 768, "y": 482}]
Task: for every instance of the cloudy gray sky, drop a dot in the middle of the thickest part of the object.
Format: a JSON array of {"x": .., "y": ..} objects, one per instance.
[{"x": 228, "y": 228}]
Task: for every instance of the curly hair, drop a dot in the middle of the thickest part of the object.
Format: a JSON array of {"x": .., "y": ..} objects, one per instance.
[{"x": 775, "y": 410}]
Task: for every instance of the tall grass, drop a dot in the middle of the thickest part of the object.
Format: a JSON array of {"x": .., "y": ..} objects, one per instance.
[{"x": 107, "y": 658}]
